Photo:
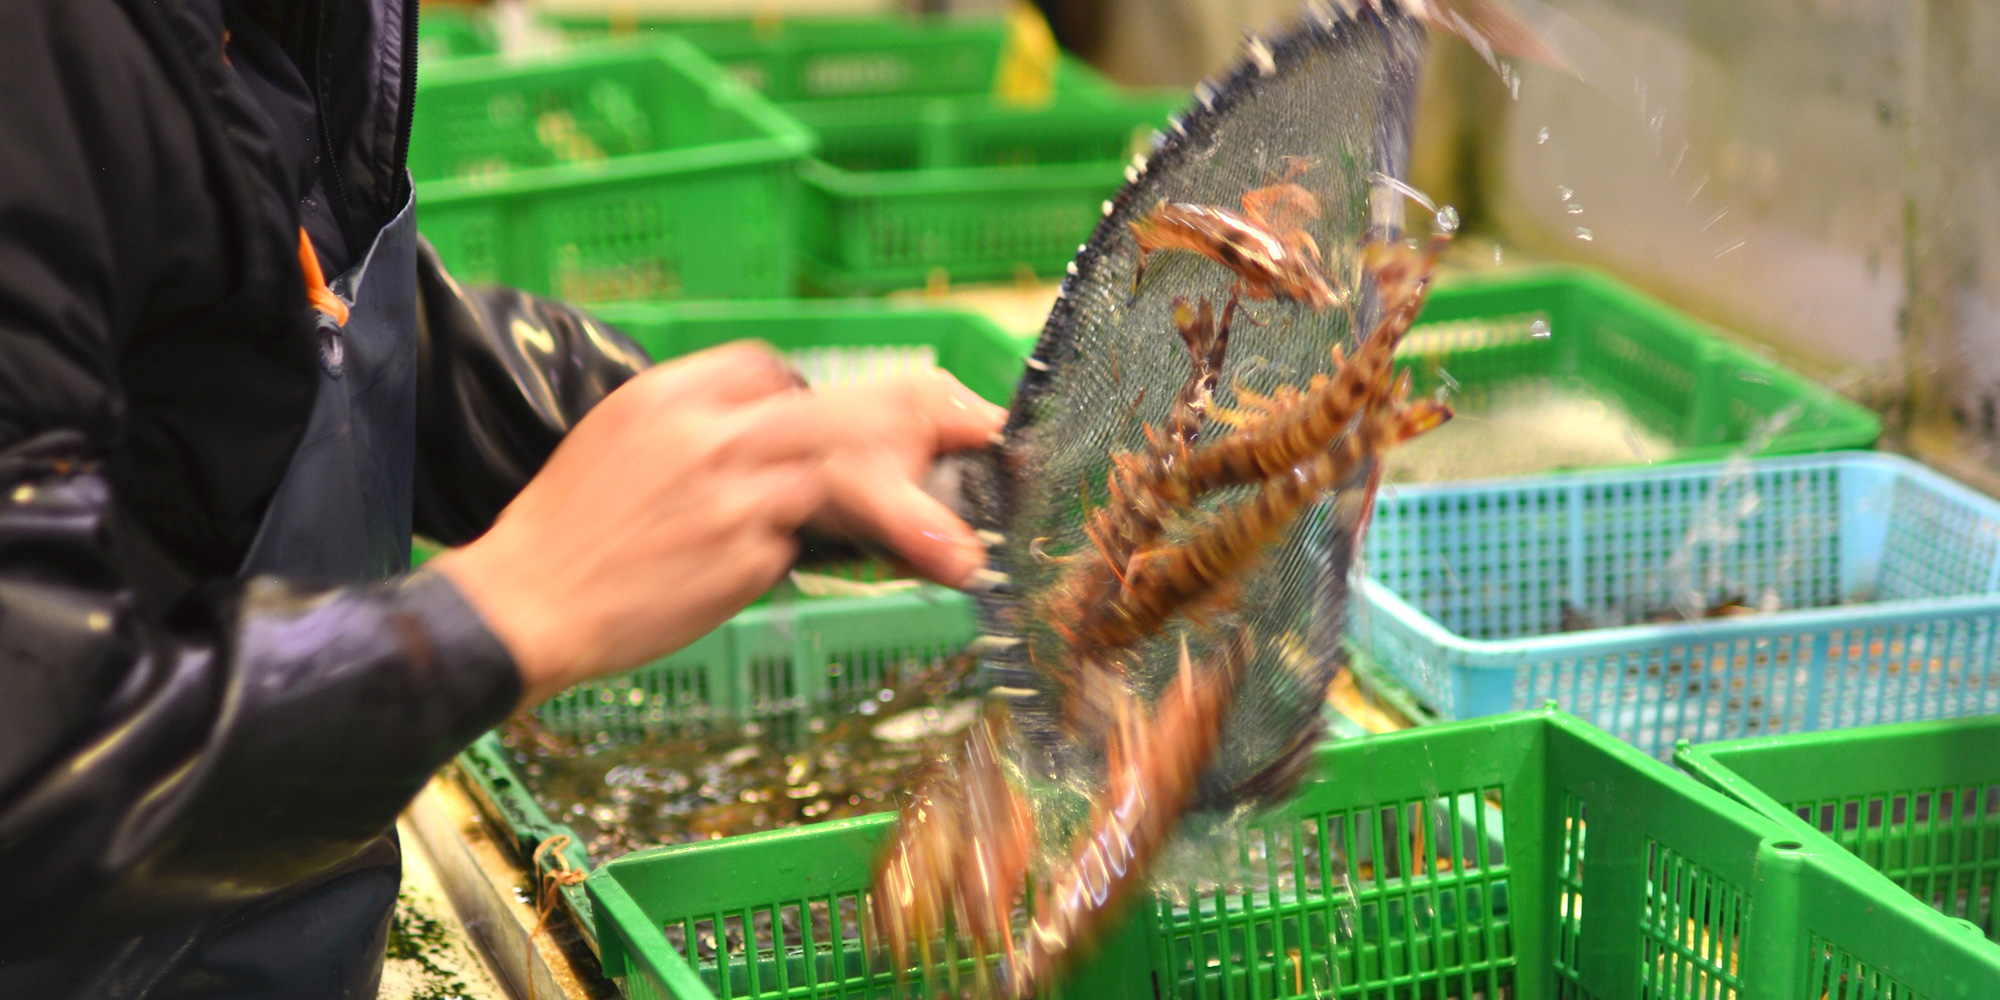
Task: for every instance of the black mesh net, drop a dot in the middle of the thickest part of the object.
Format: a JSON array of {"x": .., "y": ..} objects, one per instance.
[{"x": 1328, "y": 108}]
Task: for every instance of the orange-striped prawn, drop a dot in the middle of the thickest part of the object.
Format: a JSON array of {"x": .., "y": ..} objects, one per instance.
[
  {"x": 961, "y": 855},
  {"x": 962, "y": 849},
  {"x": 1165, "y": 580},
  {"x": 1154, "y": 761},
  {"x": 1148, "y": 491},
  {"x": 1295, "y": 425},
  {"x": 1119, "y": 527},
  {"x": 1266, "y": 244},
  {"x": 1207, "y": 342},
  {"x": 964, "y": 841}
]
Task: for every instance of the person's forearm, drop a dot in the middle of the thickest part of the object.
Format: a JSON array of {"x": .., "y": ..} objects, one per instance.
[{"x": 155, "y": 768}]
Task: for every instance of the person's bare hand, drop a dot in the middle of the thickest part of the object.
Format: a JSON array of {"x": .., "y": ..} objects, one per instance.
[
  {"x": 678, "y": 500},
  {"x": 889, "y": 434}
]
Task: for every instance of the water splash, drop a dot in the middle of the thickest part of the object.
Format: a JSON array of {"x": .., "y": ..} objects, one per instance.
[{"x": 1718, "y": 524}]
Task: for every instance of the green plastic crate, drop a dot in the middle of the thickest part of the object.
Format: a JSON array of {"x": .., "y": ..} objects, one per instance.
[
  {"x": 910, "y": 188},
  {"x": 1681, "y": 894},
  {"x": 805, "y": 59},
  {"x": 787, "y": 652},
  {"x": 447, "y": 31},
  {"x": 961, "y": 188},
  {"x": 769, "y": 663},
  {"x": 1577, "y": 329},
  {"x": 608, "y": 172},
  {"x": 966, "y": 344},
  {"x": 838, "y": 58},
  {"x": 1918, "y": 803}
]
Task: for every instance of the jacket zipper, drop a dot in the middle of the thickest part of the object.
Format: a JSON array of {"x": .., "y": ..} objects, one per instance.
[
  {"x": 407, "y": 113},
  {"x": 337, "y": 189}
]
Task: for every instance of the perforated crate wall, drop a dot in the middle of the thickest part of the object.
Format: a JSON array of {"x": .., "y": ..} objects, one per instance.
[
  {"x": 1918, "y": 803},
  {"x": 607, "y": 173},
  {"x": 1553, "y": 861}
]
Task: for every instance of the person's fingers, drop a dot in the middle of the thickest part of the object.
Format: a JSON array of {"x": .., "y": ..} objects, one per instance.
[
  {"x": 737, "y": 372},
  {"x": 900, "y": 515},
  {"x": 931, "y": 413},
  {"x": 784, "y": 428},
  {"x": 960, "y": 418}
]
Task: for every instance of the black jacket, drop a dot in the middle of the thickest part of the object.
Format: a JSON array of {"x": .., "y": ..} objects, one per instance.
[{"x": 175, "y": 740}]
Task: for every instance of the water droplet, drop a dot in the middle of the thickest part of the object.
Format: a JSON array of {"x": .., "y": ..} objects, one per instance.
[
  {"x": 1496, "y": 255},
  {"x": 1447, "y": 219},
  {"x": 1542, "y": 135},
  {"x": 1738, "y": 245},
  {"x": 1539, "y": 329},
  {"x": 1574, "y": 209},
  {"x": 1564, "y": 193},
  {"x": 1584, "y": 234}
]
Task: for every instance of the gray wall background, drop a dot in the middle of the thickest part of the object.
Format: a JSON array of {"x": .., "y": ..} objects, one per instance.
[{"x": 1818, "y": 176}]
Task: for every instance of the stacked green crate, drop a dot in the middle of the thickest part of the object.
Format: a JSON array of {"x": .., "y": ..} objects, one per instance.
[
  {"x": 447, "y": 31},
  {"x": 924, "y": 173},
  {"x": 961, "y": 190},
  {"x": 1550, "y": 331},
  {"x": 606, "y": 173},
  {"x": 793, "y": 60}
]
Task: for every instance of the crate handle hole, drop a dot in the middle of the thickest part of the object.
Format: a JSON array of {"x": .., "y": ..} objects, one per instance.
[{"x": 1789, "y": 845}]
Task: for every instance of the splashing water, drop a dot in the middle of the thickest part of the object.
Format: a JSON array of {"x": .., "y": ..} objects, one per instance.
[{"x": 1697, "y": 576}]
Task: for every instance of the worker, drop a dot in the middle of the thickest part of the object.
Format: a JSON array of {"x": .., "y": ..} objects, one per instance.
[{"x": 233, "y": 379}]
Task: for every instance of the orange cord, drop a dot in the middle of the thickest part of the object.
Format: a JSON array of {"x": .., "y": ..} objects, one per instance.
[{"x": 322, "y": 297}]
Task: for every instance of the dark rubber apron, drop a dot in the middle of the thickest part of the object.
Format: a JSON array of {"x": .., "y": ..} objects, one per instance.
[
  {"x": 340, "y": 515},
  {"x": 342, "y": 512}
]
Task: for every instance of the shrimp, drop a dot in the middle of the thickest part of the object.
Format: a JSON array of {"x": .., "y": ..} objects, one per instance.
[
  {"x": 1155, "y": 759},
  {"x": 964, "y": 841},
  {"x": 962, "y": 852},
  {"x": 1266, "y": 245},
  {"x": 1207, "y": 342},
  {"x": 1267, "y": 265},
  {"x": 1160, "y": 582},
  {"x": 937, "y": 867},
  {"x": 1299, "y": 425},
  {"x": 1147, "y": 491}
]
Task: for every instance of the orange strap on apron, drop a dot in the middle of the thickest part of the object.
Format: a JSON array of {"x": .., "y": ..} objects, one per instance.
[{"x": 322, "y": 297}]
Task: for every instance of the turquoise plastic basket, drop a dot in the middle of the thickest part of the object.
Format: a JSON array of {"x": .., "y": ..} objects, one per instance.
[{"x": 1890, "y": 572}]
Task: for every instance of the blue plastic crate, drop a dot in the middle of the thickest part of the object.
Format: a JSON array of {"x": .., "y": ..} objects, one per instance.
[{"x": 1487, "y": 597}]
